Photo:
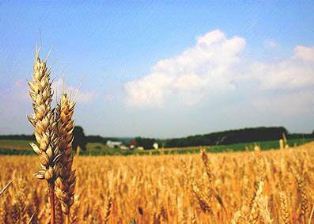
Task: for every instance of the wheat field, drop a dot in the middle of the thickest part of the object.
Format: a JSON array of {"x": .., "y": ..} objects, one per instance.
[{"x": 247, "y": 187}]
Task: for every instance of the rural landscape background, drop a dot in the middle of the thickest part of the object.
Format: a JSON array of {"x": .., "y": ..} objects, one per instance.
[{"x": 157, "y": 112}]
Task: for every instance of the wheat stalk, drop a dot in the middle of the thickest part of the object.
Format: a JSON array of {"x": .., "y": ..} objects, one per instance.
[
  {"x": 206, "y": 163},
  {"x": 75, "y": 210},
  {"x": 5, "y": 187},
  {"x": 284, "y": 213},
  {"x": 58, "y": 212},
  {"x": 108, "y": 210},
  {"x": 311, "y": 214},
  {"x": 65, "y": 183},
  {"x": 303, "y": 196},
  {"x": 254, "y": 206},
  {"x": 44, "y": 122},
  {"x": 202, "y": 199}
]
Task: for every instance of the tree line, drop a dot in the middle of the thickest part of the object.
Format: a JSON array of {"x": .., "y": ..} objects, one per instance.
[{"x": 245, "y": 135}]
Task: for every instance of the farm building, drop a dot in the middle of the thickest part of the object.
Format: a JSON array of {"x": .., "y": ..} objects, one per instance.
[{"x": 113, "y": 144}]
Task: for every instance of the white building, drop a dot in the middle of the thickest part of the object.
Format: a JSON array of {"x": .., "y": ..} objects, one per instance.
[
  {"x": 123, "y": 147},
  {"x": 113, "y": 144}
]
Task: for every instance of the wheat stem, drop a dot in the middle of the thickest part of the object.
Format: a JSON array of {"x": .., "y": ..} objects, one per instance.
[
  {"x": 52, "y": 203},
  {"x": 5, "y": 187},
  {"x": 67, "y": 218},
  {"x": 311, "y": 215}
]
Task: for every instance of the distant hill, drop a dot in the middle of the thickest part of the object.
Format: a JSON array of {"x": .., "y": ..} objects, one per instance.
[
  {"x": 246, "y": 135},
  {"x": 230, "y": 137}
]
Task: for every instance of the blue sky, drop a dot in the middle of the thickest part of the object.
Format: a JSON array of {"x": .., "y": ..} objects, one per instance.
[{"x": 166, "y": 68}]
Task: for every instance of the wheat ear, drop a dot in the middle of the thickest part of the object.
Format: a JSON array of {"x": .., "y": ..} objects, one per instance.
[
  {"x": 254, "y": 206},
  {"x": 44, "y": 122},
  {"x": 284, "y": 213},
  {"x": 303, "y": 196},
  {"x": 108, "y": 210},
  {"x": 65, "y": 183}
]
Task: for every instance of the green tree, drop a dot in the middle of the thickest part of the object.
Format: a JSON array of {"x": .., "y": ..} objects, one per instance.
[
  {"x": 146, "y": 143},
  {"x": 80, "y": 139}
]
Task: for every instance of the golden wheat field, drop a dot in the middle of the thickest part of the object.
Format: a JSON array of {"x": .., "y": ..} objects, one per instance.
[{"x": 247, "y": 187}]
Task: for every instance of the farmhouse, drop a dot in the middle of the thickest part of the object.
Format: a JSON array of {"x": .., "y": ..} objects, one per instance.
[{"x": 113, "y": 144}]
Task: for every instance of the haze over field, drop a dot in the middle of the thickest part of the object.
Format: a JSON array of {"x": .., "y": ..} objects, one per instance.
[{"x": 164, "y": 69}]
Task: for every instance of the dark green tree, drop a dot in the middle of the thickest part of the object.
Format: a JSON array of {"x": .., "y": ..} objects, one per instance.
[
  {"x": 146, "y": 143},
  {"x": 79, "y": 138}
]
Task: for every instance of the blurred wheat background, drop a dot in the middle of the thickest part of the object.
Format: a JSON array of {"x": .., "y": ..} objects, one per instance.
[{"x": 247, "y": 187}]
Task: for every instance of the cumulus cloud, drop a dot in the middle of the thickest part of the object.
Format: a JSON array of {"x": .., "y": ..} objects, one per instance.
[
  {"x": 215, "y": 65},
  {"x": 82, "y": 96},
  {"x": 207, "y": 67},
  {"x": 291, "y": 73}
]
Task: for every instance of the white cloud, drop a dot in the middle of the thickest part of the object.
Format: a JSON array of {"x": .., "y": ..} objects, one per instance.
[
  {"x": 215, "y": 66},
  {"x": 291, "y": 73},
  {"x": 82, "y": 96},
  {"x": 205, "y": 68},
  {"x": 290, "y": 104},
  {"x": 304, "y": 53}
]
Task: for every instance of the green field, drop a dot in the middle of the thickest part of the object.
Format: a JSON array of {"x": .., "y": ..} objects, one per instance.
[
  {"x": 14, "y": 144},
  {"x": 21, "y": 147}
]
